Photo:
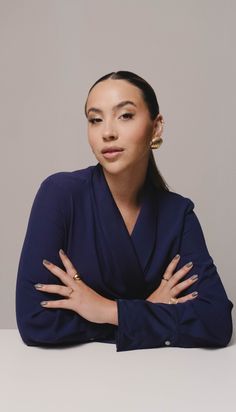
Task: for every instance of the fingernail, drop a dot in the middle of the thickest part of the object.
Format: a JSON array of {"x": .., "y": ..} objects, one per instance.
[
  {"x": 194, "y": 293},
  {"x": 62, "y": 251},
  {"x": 46, "y": 262},
  {"x": 194, "y": 277},
  {"x": 38, "y": 285},
  {"x": 189, "y": 264},
  {"x": 43, "y": 303},
  {"x": 177, "y": 257}
]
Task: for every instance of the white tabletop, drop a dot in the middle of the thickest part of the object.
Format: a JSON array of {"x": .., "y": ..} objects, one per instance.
[{"x": 94, "y": 377}]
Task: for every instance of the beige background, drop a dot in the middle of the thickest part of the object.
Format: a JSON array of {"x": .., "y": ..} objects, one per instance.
[{"x": 52, "y": 51}]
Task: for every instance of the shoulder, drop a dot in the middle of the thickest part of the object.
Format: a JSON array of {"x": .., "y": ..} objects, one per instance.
[
  {"x": 178, "y": 199},
  {"x": 174, "y": 211},
  {"x": 69, "y": 181},
  {"x": 174, "y": 203}
]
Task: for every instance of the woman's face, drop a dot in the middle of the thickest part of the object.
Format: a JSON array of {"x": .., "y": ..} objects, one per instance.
[{"x": 127, "y": 126}]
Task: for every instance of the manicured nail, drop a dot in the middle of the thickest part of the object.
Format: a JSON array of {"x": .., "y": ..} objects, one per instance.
[
  {"x": 46, "y": 262},
  {"x": 62, "y": 251},
  {"x": 194, "y": 277},
  {"x": 38, "y": 285},
  {"x": 43, "y": 303},
  {"x": 189, "y": 264},
  {"x": 177, "y": 257},
  {"x": 194, "y": 294}
]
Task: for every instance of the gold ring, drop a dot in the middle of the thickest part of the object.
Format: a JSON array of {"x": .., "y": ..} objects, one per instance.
[
  {"x": 165, "y": 279},
  {"x": 173, "y": 300},
  {"x": 76, "y": 276}
]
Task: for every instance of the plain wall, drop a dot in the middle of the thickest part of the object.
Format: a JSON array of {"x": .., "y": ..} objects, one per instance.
[{"x": 52, "y": 51}]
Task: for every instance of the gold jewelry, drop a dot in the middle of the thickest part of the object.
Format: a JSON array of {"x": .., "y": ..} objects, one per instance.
[
  {"x": 76, "y": 276},
  {"x": 173, "y": 300},
  {"x": 165, "y": 279},
  {"x": 156, "y": 143}
]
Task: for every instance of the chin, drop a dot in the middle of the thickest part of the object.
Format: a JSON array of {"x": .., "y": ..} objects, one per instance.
[
  {"x": 112, "y": 168},
  {"x": 116, "y": 167}
]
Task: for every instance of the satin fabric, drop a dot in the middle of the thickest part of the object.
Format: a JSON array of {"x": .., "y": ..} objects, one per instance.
[{"x": 76, "y": 211}]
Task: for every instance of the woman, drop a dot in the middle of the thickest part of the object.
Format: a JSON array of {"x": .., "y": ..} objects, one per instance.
[{"x": 110, "y": 253}]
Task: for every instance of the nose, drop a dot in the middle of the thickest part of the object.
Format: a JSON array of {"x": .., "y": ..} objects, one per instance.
[{"x": 109, "y": 133}]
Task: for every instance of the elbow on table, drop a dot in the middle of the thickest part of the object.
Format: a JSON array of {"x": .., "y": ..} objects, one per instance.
[
  {"x": 56, "y": 329},
  {"x": 28, "y": 334},
  {"x": 222, "y": 325},
  {"x": 38, "y": 330},
  {"x": 224, "y": 339},
  {"x": 25, "y": 334},
  {"x": 40, "y": 338},
  {"x": 226, "y": 334},
  {"x": 211, "y": 324}
]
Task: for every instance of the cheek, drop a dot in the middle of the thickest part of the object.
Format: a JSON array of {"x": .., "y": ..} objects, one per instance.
[
  {"x": 139, "y": 136},
  {"x": 139, "y": 129},
  {"x": 92, "y": 139}
]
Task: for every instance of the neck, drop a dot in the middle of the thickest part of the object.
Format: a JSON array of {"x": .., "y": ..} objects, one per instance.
[{"x": 126, "y": 187}]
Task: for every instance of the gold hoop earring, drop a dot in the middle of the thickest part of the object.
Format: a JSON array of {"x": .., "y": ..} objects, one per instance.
[{"x": 156, "y": 143}]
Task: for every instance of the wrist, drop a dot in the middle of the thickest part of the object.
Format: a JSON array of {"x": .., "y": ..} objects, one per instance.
[{"x": 111, "y": 313}]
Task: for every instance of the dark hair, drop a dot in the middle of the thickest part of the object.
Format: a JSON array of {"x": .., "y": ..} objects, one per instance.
[{"x": 149, "y": 97}]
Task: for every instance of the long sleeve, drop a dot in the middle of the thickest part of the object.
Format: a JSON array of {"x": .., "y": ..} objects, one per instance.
[
  {"x": 47, "y": 232},
  {"x": 203, "y": 322}
]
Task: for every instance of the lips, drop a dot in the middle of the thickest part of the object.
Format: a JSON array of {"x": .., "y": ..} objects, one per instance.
[{"x": 112, "y": 149}]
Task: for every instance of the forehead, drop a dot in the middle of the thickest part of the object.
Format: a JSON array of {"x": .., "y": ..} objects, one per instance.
[{"x": 108, "y": 93}]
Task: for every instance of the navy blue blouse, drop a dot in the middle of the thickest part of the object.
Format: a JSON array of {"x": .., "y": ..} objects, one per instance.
[{"x": 76, "y": 211}]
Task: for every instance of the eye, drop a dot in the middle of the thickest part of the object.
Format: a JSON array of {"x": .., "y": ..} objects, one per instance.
[
  {"x": 93, "y": 120},
  {"x": 130, "y": 115},
  {"x": 97, "y": 119}
]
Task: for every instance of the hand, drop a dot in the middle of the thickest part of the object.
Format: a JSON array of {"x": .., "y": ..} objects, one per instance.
[
  {"x": 80, "y": 298},
  {"x": 169, "y": 288}
]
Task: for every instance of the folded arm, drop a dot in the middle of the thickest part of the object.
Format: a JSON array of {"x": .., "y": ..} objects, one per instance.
[
  {"x": 203, "y": 322},
  {"x": 46, "y": 234}
]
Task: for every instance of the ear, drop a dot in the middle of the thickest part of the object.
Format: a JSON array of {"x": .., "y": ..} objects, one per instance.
[{"x": 158, "y": 125}]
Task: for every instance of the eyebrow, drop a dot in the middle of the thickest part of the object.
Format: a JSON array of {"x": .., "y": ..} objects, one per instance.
[{"x": 117, "y": 106}]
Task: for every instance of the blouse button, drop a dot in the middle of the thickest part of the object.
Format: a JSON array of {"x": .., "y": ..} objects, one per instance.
[{"x": 167, "y": 342}]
